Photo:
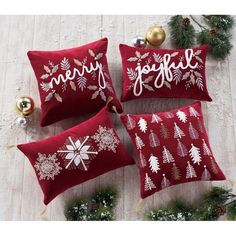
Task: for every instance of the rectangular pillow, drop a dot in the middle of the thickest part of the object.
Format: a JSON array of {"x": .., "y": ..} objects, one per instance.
[
  {"x": 172, "y": 148},
  {"x": 164, "y": 73},
  {"x": 76, "y": 155},
  {"x": 73, "y": 81}
]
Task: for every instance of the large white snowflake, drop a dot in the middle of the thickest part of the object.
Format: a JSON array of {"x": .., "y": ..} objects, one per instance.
[
  {"x": 106, "y": 139},
  {"x": 47, "y": 167},
  {"x": 77, "y": 153}
]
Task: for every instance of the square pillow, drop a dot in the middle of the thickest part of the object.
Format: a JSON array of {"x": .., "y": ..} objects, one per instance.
[
  {"x": 76, "y": 155},
  {"x": 164, "y": 73},
  {"x": 73, "y": 81},
  {"x": 172, "y": 148}
]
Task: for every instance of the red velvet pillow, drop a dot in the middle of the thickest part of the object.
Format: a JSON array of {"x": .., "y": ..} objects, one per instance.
[
  {"x": 164, "y": 73},
  {"x": 73, "y": 81},
  {"x": 76, "y": 155},
  {"x": 172, "y": 148}
]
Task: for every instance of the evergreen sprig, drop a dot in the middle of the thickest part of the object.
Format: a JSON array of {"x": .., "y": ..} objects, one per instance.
[
  {"x": 213, "y": 204},
  {"x": 220, "y": 22},
  {"x": 182, "y": 32},
  {"x": 216, "y": 33},
  {"x": 98, "y": 207}
]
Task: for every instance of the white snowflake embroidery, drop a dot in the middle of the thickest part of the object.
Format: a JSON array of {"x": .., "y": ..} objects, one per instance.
[
  {"x": 47, "y": 167},
  {"x": 106, "y": 139},
  {"x": 77, "y": 153}
]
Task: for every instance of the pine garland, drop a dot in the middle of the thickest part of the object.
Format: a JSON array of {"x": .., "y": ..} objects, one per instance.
[
  {"x": 182, "y": 32},
  {"x": 214, "y": 203},
  {"x": 216, "y": 33},
  {"x": 98, "y": 207}
]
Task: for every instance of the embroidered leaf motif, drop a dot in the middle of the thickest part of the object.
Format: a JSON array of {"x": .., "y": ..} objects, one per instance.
[
  {"x": 95, "y": 94},
  {"x": 186, "y": 75},
  {"x": 58, "y": 97},
  {"x": 82, "y": 81},
  {"x": 49, "y": 97},
  {"x": 138, "y": 54},
  {"x": 77, "y": 62},
  {"x": 103, "y": 97},
  {"x": 92, "y": 87},
  {"x": 64, "y": 87},
  {"x": 132, "y": 59},
  {"x": 55, "y": 68},
  {"x": 197, "y": 74},
  {"x": 157, "y": 58},
  {"x": 91, "y": 53},
  {"x": 145, "y": 55},
  {"x": 174, "y": 54},
  {"x": 98, "y": 56},
  {"x": 65, "y": 65},
  {"x": 199, "y": 59},
  {"x": 45, "y": 76},
  {"x": 47, "y": 69},
  {"x": 148, "y": 79},
  {"x": 45, "y": 86},
  {"x": 72, "y": 85},
  {"x": 198, "y": 52},
  {"x": 132, "y": 74},
  {"x": 199, "y": 83},
  {"x": 109, "y": 87},
  {"x": 177, "y": 75},
  {"x": 148, "y": 87},
  {"x": 167, "y": 84}
]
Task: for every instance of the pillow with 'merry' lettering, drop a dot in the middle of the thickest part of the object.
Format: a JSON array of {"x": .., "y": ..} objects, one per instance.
[
  {"x": 164, "y": 73},
  {"x": 73, "y": 81}
]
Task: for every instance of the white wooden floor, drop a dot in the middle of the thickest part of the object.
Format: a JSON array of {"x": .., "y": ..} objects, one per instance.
[{"x": 20, "y": 195}]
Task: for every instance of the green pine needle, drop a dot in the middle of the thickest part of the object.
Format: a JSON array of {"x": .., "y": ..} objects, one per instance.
[
  {"x": 182, "y": 36},
  {"x": 231, "y": 211},
  {"x": 219, "y": 43},
  {"x": 220, "y": 22}
]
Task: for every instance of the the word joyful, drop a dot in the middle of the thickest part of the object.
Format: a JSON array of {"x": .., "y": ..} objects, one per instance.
[{"x": 164, "y": 71}]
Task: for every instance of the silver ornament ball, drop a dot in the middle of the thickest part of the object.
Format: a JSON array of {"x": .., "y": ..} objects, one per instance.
[
  {"x": 22, "y": 122},
  {"x": 139, "y": 42}
]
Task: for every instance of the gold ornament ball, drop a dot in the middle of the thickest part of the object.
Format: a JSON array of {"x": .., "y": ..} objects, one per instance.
[
  {"x": 155, "y": 35},
  {"x": 25, "y": 105}
]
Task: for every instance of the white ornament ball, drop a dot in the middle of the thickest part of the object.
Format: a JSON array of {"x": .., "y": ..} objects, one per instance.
[
  {"x": 139, "y": 42},
  {"x": 22, "y": 122}
]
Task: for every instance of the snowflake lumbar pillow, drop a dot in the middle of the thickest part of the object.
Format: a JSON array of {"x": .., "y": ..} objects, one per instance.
[
  {"x": 172, "y": 148},
  {"x": 73, "y": 81},
  {"x": 76, "y": 155},
  {"x": 164, "y": 73}
]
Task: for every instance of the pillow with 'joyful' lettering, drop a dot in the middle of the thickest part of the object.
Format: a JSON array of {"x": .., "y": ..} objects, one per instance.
[
  {"x": 73, "y": 81},
  {"x": 164, "y": 73}
]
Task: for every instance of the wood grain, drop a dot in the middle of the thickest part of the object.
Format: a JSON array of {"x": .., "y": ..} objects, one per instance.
[{"x": 20, "y": 195}]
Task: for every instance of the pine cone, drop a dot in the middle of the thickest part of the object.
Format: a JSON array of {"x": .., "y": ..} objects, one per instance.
[
  {"x": 186, "y": 21},
  {"x": 212, "y": 32},
  {"x": 222, "y": 210}
]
